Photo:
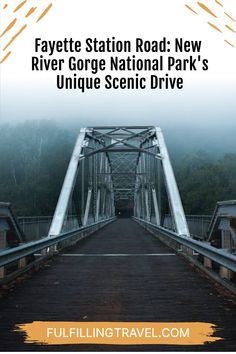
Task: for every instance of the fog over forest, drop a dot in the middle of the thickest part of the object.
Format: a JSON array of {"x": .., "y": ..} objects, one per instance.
[{"x": 34, "y": 156}]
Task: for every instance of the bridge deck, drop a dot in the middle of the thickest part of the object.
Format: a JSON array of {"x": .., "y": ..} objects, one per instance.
[{"x": 111, "y": 276}]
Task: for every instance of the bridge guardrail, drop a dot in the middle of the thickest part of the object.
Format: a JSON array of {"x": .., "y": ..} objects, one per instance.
[
  {"x": 46, "y": 245},
  {"x": 198, "y": 224},
  {"x": 36, "y": 227},
  {"x": 219, "y": 256}
]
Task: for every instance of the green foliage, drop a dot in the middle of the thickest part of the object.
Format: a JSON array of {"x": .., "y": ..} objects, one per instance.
[
  {"x": 203, "y": 181},
  {"x": 33, "y": 160}
]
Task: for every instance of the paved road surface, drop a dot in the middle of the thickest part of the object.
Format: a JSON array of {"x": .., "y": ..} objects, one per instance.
[{"x": 114, "y": 278}]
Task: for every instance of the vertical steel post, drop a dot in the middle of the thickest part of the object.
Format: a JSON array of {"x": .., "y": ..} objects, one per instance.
[
  {"x": 86, "y": 214},
  {"x": 98, "y": 204},
  {"x": 147, "y": 205},
  {"x": 104, "y": 202},
  {"x": 136, "y": 204},
  {"x": 157, "y": 214}
]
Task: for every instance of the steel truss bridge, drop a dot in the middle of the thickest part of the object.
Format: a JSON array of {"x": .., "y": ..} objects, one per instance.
[
  {"x": 114, "y": 164},
  {"x": 120, "y": 180}
]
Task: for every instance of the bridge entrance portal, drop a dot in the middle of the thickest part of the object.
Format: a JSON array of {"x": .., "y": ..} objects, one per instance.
[{"x": 123, "y": 171}]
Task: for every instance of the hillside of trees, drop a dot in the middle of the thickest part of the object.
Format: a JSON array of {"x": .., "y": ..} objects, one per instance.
[
  {"x": 34, "y": 156},
  {"x": 33, "y": 160},
  {"x": 203, "y": 181}
]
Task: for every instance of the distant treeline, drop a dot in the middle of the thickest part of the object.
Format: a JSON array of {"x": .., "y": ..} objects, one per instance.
[
  {"x": 33, "y": 160},
  {"x": 34, "y": 157},
  {"x": 203, "y": 181}
]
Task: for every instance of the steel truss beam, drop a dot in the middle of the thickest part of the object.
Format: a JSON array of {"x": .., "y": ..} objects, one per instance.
[
  {"x": 119, "y": 163},
  {"x": 173, "y": 192},
  {"x": 67, "y": 188}
]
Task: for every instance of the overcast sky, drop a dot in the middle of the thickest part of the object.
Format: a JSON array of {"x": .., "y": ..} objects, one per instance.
[{"x": 207, "y": 98}]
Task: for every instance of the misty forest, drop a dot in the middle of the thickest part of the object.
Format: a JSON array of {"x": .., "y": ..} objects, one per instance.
[{"x": 35, "y": 155}]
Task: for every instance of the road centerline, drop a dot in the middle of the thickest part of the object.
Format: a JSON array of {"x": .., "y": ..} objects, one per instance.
[{"x": 116, "y": 254}]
